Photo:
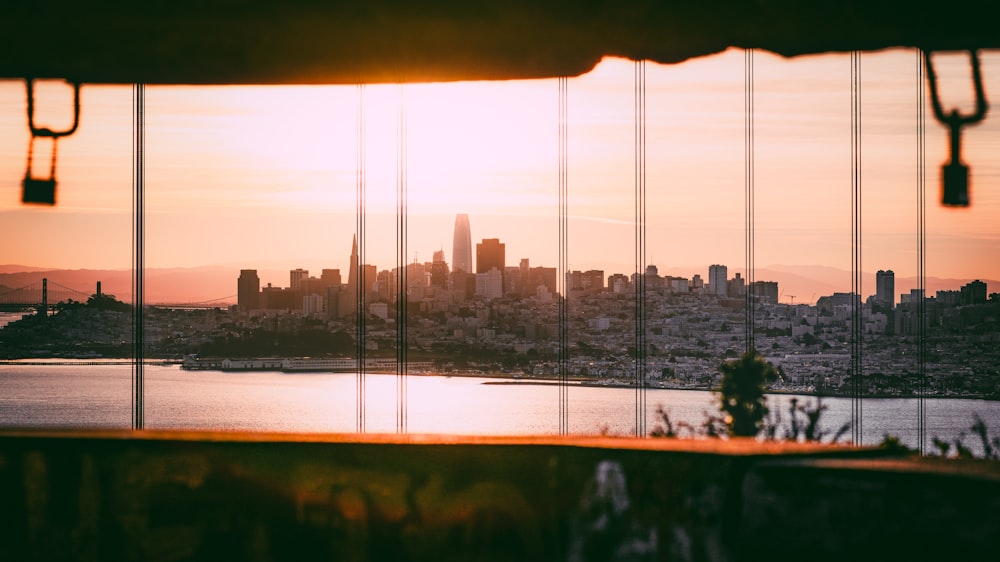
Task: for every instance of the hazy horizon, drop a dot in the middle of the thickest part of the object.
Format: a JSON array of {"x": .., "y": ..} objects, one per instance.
[
  {"x": 253, "y": 175},
  {"x": 805, "y": 283}
]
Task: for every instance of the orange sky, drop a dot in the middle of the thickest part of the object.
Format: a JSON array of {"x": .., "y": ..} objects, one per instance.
[{"x": 261, "y": 176}]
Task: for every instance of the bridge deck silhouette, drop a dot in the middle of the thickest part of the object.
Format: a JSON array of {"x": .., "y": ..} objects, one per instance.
[{"x": 32, "y": 294}]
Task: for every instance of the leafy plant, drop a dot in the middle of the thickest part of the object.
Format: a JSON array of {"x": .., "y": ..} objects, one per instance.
[
  {"x": 958, "y": 450},
  {"x": 803, "y": 424},
  {"x": 741, "y": 395},
  {"x": 743, "y": 402}
]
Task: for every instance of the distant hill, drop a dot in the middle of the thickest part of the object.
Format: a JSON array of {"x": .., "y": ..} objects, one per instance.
[{"x": 8, "y": 268}]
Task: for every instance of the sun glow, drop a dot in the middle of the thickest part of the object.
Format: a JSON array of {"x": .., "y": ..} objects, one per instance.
[{"x": 253, "y": 171}]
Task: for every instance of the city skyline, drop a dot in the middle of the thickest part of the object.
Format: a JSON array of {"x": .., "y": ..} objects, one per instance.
[
  {"x": 252, "y": 182},
  {"x": 491, "y": 251}
]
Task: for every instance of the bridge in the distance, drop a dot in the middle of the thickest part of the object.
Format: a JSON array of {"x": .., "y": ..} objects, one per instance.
[
  {"x": 43, "y": 293},
  {"x": 47, "y": 294}
]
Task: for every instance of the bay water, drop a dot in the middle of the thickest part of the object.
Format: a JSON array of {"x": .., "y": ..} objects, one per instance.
[{"x": 98, "y": 395}]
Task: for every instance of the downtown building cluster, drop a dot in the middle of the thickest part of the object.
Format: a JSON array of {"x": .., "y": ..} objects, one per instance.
[{"x": 435, "y": 284}]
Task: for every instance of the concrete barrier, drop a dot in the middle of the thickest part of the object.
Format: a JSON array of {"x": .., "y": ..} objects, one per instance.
[{"x": 216, "y": 496}]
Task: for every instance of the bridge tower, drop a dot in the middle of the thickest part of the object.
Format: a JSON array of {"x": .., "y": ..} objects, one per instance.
[{"x": 43, "y": 310}]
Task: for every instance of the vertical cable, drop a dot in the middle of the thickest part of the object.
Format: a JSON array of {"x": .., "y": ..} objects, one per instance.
[
  {"x": 138, "y": 251},
  {"x": 921, "y": 257},
  {"x": 748, "y": 197},
  {"x": 563, "y": 258},
  {"x": 857, "y": 328},
  {"x": 361, "y": 280},
  {"x": 401, "y": 277},
  {"x": 639, "y": 289}
]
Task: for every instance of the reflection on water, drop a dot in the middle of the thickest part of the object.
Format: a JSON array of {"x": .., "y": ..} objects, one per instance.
[{"x": 99, "y": 397}]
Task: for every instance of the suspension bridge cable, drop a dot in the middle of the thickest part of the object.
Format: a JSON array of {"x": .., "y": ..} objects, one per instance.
[
  {"x": 921, "y": 256},
  {"x": 138, "y": 251},
  {"x": 563, "y": 258},
  {"x": 857, "y": 331},
  {"x": 359, "y": 268},
  {"x": 639, "y": 289},
  {"x": 402, "y": 281},
  {"x": 748, "y": 198}
]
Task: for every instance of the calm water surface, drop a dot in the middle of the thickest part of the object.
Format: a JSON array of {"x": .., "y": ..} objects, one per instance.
[{"x": 99, "y": 396}]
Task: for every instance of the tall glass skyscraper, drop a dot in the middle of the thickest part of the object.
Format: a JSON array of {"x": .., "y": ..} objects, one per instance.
[{"x": 461, "y": 250}]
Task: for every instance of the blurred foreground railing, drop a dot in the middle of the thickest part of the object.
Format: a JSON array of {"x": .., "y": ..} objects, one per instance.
[{"x": 219, "y": 496}]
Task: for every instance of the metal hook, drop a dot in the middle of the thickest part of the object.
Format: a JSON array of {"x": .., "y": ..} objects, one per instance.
[
  {"x": 955, "y": 174},
  {"x": 49, "y": 133},
  {"x": 38, "y": 190}
]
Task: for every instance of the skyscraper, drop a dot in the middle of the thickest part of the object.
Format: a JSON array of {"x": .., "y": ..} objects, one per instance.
[
  {"x": 973, "y": 292},
  {"x": 348, "y": 296},
  {"x": 352, "y": 271},
  {"x": 885, "y": 288},
  {"x": 439, "y": 270},
  {"x": 247, "y": 290},
  {"x": 491, "y": 254},
  {"x": 461, "y": 252},
  {"x": 295, "y": 278},
  {"x": 765, "y": 291},
  {"x": 717, "y": 280}
]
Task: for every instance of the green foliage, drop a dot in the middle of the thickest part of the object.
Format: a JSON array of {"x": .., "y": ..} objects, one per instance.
[
  {"x": 803, "y": 424},
  {"x": 664, "y": 427},
  {"x": 712, "y": 426},
  {"x": 741, "y": 395},
  {"x": 743, "y": 403},
  {"x": 108, "y": 302},
  {"x": 958, "y": 450},
  {"x": 892, "y": 443}
]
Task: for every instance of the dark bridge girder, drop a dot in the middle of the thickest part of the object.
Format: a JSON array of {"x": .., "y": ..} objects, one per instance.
[{"x": 377, "y": 41}]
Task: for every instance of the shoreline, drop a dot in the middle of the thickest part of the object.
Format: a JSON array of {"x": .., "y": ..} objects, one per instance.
[
  {"x": 506, "y": 378},
  {"x": 594, "y": 383}
]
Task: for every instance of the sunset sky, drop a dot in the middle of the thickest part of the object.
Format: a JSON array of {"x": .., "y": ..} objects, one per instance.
[{"x": 264, "y": 176}]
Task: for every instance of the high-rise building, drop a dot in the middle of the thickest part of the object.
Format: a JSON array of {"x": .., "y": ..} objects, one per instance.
[
  {"x": 312, "y": 305},
  {"x": 619, "y": 283},
  {"x": 974, "y": 292},
  {"x": 717, "y": 280},
  {"x": 587, "y": 282},
  {"x": 349, "y": 295},
  {"x": 439, "y": 271},
  {"x": 737, "y": 286},
  {"x": 295, "y": 278},
  {"x": 885, "y": 288},
  {"x": 368, "y": 278},
  {"x": 545, "y": 277},
  {"x": 461, "y": 250},
  {"x": 277, "y": 298},
  {"x": 248, "y": 290},
  {"x": 491, "y": 254},
  {"x": 765, "y": 291},
  {"x": 331, "y": 277},
  {"x": 679, "y": 285},
  {"x": 527, "y": 283},
  {"x": 512, "y": 280},
  {"x": 489, "y": 284}
]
